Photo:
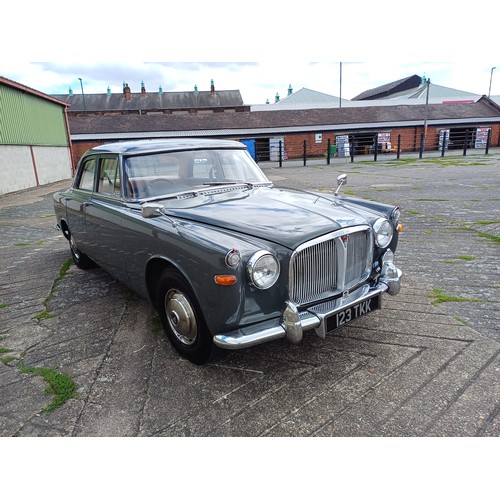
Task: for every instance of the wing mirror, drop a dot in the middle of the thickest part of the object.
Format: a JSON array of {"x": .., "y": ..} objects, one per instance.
[
  {"x": 150, "y": 210},
  {"x": 341, "y": 180}
]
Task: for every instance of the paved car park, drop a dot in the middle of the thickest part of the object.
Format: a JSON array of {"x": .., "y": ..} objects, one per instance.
[{"x": 427, "y": 364}]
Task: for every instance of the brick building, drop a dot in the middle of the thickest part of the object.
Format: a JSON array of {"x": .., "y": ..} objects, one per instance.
[
  {"x": 361, "y": 127},
  {"x": 149, "y": 103}
]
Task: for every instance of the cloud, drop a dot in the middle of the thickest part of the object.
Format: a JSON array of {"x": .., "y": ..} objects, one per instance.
[{"x": 257, "y": 81}]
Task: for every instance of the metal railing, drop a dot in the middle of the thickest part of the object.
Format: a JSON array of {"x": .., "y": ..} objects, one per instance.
[{"x": 373, "y": 146}]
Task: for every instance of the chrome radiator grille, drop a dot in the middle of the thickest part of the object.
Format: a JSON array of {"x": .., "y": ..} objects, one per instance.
[{"x": 331, "y": 264}]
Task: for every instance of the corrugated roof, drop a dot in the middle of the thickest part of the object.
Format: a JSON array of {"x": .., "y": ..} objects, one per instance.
[
  {"x": 391, "y": 88},
  {"x": 274, "y": 131},
  {"x": 302, "y": 99},
  {"x": 307, "y": 96},
  {"x": 435, "y": 92}
]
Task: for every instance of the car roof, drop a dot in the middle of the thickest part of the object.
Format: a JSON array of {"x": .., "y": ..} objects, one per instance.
[{"x": 157, "y": 145}]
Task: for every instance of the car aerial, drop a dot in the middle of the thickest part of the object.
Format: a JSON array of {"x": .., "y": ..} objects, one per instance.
[{"x": 228, "y": 259}]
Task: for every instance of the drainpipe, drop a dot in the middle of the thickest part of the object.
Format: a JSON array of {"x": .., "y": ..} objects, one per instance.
[{"x": 73, "y": 166}]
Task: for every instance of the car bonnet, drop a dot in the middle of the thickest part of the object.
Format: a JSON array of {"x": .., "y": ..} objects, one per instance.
[{"x": 286, "y": 217}]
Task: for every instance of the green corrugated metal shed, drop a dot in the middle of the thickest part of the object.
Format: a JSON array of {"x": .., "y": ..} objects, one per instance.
[{"x": 29, "y": 117}]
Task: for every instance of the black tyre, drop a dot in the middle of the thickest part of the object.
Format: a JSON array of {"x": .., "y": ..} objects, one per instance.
[
  {"x": 79, "y": 258},
  {"x": 182, "y": 319}
]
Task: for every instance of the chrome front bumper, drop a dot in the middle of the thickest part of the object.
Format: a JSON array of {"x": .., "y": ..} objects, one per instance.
[{"x": 293, "y": 323}]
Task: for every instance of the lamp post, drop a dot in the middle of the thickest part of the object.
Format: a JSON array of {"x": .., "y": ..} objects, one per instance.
[
  {"x": 340, "y": 96},
  {"x": 424, "y": 134},
  {"x": 83, "y": 96},
  {"x": 428, "y": 83},
  {"x": 491, "y": 77}
]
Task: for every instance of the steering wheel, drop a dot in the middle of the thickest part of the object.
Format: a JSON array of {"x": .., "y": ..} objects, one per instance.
[{"x": 148, "y": 188}]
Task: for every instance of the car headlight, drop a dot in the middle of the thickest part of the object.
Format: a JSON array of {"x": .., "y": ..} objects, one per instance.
[
  {"x": 383, "y": 232},
  {"x": 263, "y": 269}
]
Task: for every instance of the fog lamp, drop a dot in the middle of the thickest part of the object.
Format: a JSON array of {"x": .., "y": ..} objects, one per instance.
[{"x": 233, "y": 258}]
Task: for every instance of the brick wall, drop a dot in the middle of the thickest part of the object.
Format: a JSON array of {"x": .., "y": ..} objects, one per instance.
[
  {"x": 79, "y": 148},
  {"x": 495, "y": 135},
  {"x": 294, "y": 145}
]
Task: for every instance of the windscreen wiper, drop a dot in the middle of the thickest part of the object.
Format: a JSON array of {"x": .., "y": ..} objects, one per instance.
[
  {"x": 218, "y": 183},
  {"x": 249, "y": 185}
]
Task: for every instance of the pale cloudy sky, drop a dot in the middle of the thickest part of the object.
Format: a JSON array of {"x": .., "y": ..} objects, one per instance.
[
  {"x": 256, "y": 81},
  {"x": 273, "y": 44}
]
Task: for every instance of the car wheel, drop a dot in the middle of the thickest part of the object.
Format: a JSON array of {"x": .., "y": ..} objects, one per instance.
[
  {"x": 182, "y": 320},
  {"x": 79, "y": 258}
]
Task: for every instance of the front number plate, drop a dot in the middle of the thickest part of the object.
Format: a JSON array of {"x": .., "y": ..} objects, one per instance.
[{"x": 346, "y": 315}]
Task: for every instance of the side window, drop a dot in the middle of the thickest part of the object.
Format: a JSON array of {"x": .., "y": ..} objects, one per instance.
[
  {"x": 109, "y": 177},
  {"x": 87, "y": 175}
]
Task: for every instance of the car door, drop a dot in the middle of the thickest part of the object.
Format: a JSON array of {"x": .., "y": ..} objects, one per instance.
[
  {"x": 103, "y": 216},
  {"x": 78, "y": 200}
]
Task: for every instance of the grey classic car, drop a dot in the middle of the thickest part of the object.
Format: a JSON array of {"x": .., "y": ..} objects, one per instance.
[{"x": 227, "y": 259}]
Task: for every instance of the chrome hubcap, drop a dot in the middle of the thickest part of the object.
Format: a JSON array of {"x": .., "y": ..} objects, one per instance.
[{"x": 181, "y": 317}]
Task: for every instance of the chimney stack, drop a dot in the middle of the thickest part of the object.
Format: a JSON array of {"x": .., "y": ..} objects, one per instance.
[{"x": 126, "y": 92}]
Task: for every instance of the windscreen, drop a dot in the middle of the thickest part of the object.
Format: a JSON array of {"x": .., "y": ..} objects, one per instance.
[{"x": 166, "y": 173}]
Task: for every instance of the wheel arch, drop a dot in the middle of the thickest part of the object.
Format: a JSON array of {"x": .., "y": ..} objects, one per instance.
[
  {"x": 154, "y": 270},
  {"x": 65, "y": 229}
]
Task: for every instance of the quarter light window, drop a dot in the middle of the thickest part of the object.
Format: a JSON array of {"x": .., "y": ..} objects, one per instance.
[{"x": 87, "y": 176}]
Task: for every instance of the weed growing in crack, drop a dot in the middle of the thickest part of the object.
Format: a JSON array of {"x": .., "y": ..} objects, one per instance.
[
  {"x": 440, "y": 297},
  {"x": 59, "y": 384},
  {"x": 47, "y": 312}
]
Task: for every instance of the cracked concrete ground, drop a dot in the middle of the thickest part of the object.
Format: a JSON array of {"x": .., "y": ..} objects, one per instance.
[{"x": 411, "y": 369}]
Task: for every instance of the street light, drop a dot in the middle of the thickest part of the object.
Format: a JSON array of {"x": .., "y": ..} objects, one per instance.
[
  {"x": 83, "y": 96},
  {"x": 491, "y": 77},
  {"x": 340, "y": 96},
  {"x": 428, "y": 84}
]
